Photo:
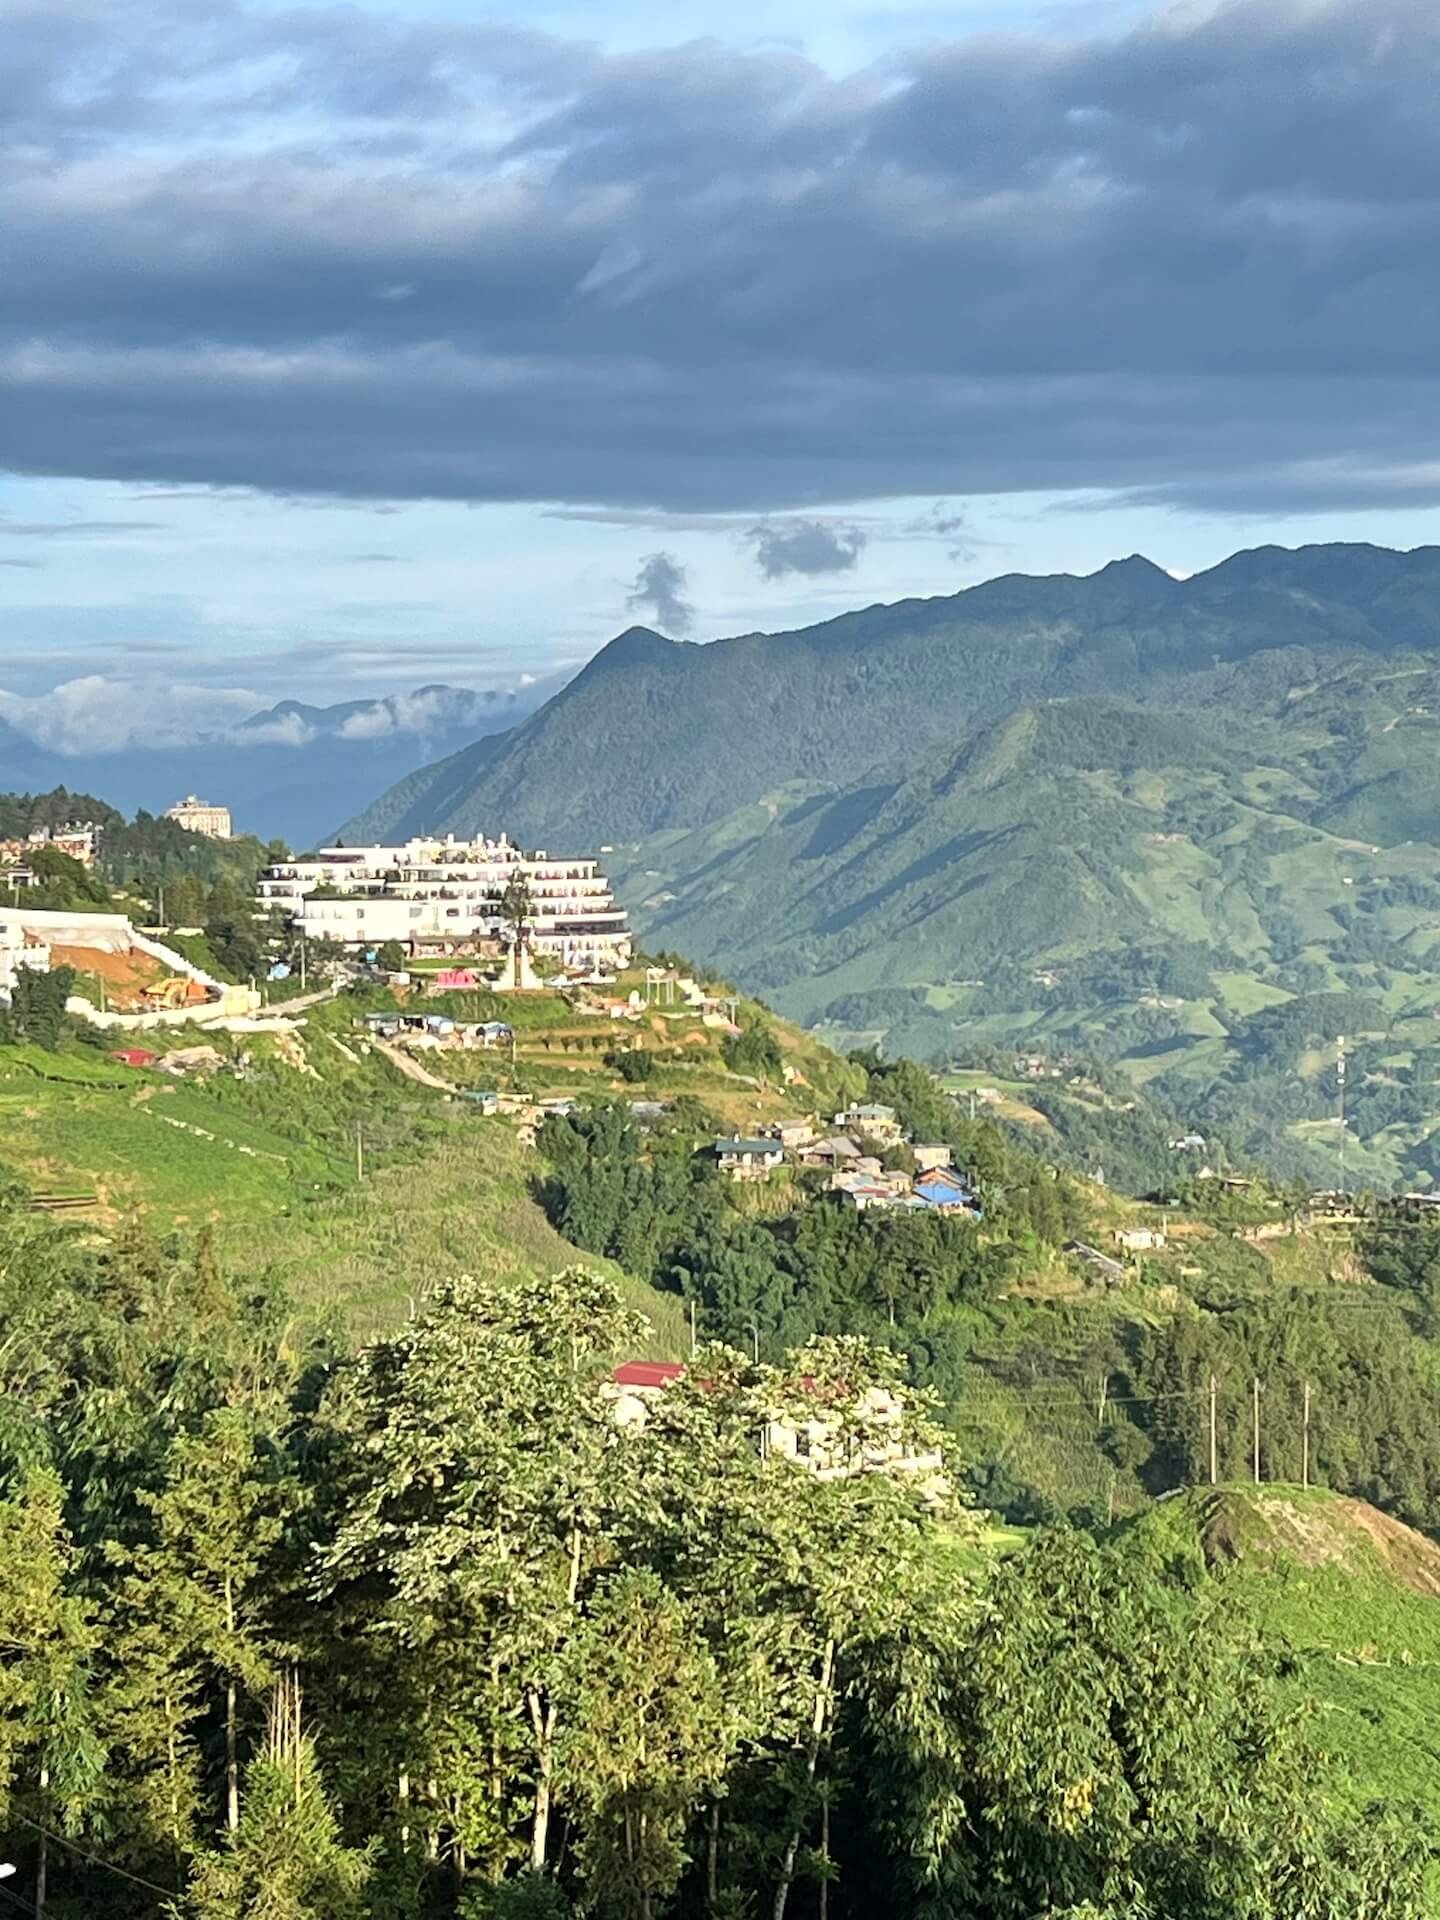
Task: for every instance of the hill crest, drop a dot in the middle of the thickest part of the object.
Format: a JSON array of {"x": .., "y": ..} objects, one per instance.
[{"x": 1270, "y": 1528}]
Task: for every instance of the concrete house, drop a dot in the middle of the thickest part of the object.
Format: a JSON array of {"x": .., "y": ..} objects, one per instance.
[
  {"x": 879, "y": 1122},
  {"x": 816, "y": 1445},
  {"x": 932, "y": 1158},
  {"x": 1140, "y": 1239},
  {"x": 749, "y": 1159}
]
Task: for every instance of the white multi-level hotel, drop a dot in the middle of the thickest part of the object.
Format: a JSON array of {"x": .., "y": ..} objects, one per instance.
[{"x": 447, "y": 894}]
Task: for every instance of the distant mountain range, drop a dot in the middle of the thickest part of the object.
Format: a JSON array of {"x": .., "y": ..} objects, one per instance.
[
  {"x": 290, "y": 772},
  {"x": 1191, "y": 826}
]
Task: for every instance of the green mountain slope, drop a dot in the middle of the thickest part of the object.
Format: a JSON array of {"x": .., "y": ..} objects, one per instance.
[
  {"x": 655, "y": 733},
  {"x": 1122, "y": 818}
]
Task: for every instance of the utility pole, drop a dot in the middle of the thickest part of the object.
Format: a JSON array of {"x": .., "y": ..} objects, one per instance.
[
  {"x": 693, "y": 1341},
  {"x": 1255, "y": 1404},
  {"x": 302, "y": 961},
  {"x": 1340, "y": 1082},
  {"x": 1214, "y": 1451},
  {"x": 1104, "y": 1397},
  {"x": 754, "y": 1333},
  {"x": 1305, "y": 1441}
]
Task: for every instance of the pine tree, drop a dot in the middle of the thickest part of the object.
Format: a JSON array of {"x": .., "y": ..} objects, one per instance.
[
  {"x": 285, "y": 1860},
  {"x": 196, "y": 1597}
]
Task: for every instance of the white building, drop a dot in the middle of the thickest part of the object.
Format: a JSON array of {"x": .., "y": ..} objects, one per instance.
[
  {"x": 446, "y": 895},
  {"x": 198, "y": 816}
]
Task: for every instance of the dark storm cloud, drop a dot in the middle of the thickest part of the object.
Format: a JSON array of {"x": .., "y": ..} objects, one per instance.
[
  {"x": 783, "y": 547},
  {"x": 660, "y": 590},
  {"x": 318, "y": 251}
]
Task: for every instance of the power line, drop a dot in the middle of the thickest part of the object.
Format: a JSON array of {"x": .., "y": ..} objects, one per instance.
[{"x": 166, "y": 1893}]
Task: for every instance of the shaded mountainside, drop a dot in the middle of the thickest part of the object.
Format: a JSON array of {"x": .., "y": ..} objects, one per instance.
[{"x": 1123, "y": 818}]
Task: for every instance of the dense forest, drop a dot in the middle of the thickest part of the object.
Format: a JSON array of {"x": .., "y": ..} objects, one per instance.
[
  {"x": 425, "y": 1630},
  {"x": 646, "y": 1198}
]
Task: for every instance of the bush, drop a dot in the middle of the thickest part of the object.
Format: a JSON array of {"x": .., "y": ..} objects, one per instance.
[{"x": 528, "y": 1898}]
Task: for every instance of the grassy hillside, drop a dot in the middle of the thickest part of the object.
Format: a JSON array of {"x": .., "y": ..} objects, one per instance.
[
  {"x": 1350, "y": 1596},
  {"x": 263, "y": 1155}
]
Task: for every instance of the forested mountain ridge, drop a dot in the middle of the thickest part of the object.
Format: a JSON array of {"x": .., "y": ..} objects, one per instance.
[
  {"x": 1125, "y": 817},
  {"x": 656, "y": 733}
]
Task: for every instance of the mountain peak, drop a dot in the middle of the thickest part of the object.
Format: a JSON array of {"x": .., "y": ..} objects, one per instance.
[
  {"x": 634, "y": 647},
  {"x": 1135, "y": 568}
]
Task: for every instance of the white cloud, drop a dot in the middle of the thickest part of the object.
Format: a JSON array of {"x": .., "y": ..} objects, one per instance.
[
  {"x": 429, "y": 710},
  {"x": 95, "y": 714}
]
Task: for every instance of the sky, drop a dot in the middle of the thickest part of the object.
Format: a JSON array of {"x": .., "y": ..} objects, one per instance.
[{"x": 348, "y": 348}]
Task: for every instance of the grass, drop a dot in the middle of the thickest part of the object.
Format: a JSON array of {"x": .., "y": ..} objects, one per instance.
[
  {"x": 1364, "y": 1641},
  {"x": 264, "y": 1156},
  {"x": 267, "y": 1162}
]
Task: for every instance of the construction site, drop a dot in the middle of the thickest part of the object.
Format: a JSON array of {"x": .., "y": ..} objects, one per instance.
[{"x": 123, "y": 976}]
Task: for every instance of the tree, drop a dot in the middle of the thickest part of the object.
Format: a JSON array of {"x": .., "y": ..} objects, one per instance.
[
  {"x": 1108, "y": 1751},
  {"x": 48, "y": 1639},
  {"x": 37, "y": 1006},
  {"x": 755, "y": 1052},
  {"x": 648, "y": 1739},
  {"x": 633, "y": 1064},
  {"x": 487, "y": 1471},
  {"x": 392, "y": 956},
  {"x": 285, "y": 1860},
  {"x": 200, "y": 1585}
]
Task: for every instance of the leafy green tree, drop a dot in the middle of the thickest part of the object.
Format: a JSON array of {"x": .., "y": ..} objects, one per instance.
[
  {"x": 47, "y": 1733},
  {"x": 478, "y": 1524},
  {"x": 647, "y": 1741},
  {"x": 755, "y": 1051},
  {"x": 633, "y": 1064},
  {"x": 37, "y": 1006},
  {"x": 1110, "y": 1751}
]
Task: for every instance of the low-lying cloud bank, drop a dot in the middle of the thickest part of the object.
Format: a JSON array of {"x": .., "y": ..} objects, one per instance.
[{"x": 96, "y": 714}]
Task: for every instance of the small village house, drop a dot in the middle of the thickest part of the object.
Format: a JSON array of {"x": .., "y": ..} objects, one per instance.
[
  {"x": 1140, "y": 1239},
  {"x": 749, "y": 1159},
  {"x": 816, "y": 1444},
  {"x": 840, "y": 1150},
  {"x": 877, "y": 1122},
  {"x": 932, "y": 1158}
]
